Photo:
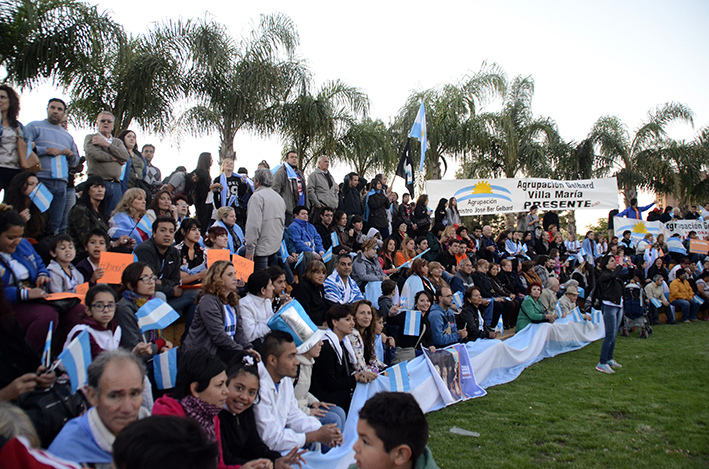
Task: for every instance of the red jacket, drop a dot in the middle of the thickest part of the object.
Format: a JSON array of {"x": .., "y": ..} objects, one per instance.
[{"x": 166, "y": 405}]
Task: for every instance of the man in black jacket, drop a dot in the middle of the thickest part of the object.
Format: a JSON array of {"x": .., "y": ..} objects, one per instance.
[
  {"x": 159, "y": 253},
  {"x": 351, "y": 195}
]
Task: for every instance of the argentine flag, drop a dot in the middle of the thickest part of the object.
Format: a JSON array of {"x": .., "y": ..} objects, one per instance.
[
  {"x": 284, "y": 251},
  {"x": 145, "y": 225},
  {"x": 301, "y": 256},
  {"x": 165, "y": 369},
  {"x": 335, "y": 239},
  {"x": 327, "y": 257},
  {"x": 47, "y": 352},
  {"x": 419, "y": 131},
  {"x": 76, "y": 359},
  {"x": 656, "y": 302},
  {"x": 60, "y": 168},
  {"x": 558, "y": 310},
  {"x": 399, "y": 378},
  {"x": 123, "y": 171},
  {"x": 697, "y": 299},
  {"x": 596, "y": 317},
  {"x": 155, "y": 314},
  {"x": 412, "y": 325},
  {"x": 576, "y": 315},
  {"x": 458, "y": 299},
  {"x": 41, "y": 197},
  {"x": 638, "y": 228}
]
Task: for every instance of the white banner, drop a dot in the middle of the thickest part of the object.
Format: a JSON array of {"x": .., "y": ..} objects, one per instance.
[
  {"x": 489, "y": 196},
  {"x": 639, "y": 228}
]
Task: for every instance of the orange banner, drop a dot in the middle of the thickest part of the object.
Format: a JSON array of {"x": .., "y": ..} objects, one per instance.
[
  {"x": 214, "y": 255},
  {"x": 242, "y": 266},
  {"x": 114, "y": 263}
]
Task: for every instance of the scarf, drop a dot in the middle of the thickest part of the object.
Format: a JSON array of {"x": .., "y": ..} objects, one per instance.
[
  {"x": 335, "y": 342},
  {"x": 202, "y": 412}
]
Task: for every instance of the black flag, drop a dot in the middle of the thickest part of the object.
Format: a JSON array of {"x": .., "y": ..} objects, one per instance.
[{"x": 405, "y": 170}]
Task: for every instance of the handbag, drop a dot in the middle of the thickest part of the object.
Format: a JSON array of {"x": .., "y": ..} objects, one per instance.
[
  {"x": 31, "y": 162},
  {"x": 51, "y": 408}
]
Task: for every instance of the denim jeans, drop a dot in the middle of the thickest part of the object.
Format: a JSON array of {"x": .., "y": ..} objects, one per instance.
[
  {"x": 689, "y": 309},
  {"x": 57, "y": 214},
  {"x": 334, "y": 415},
  {"x": 113, "y": 195},
  {"x": 612, "y": 316},
  {"x": 263, "y": 262},
  {"x": 70, "y": 202}
]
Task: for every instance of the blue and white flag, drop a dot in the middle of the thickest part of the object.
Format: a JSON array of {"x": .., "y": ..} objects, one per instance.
[
  {"x": 582, "y": 292},
  {"x": 582, "y": 252},
  {"x": 123, "y": 170},
  {"x": 145, "y": 225},
  {"x": 558, "y": 310},
  {"x": 576, "y": 315},
  {"x": 301, "y": 256},
  {"x": 596, "y": 317},
  {"x": 335, "y": 239},
  {"x": 41, "y": 197},
  {"x": 638, "y": 228},
  {"x": 284, "y": 251},
  {"x": 408, "y": 263},
  {"x": 500, "y": 328},
  {"x": 155, "y": 314},
  {"x": 656, "y": 302},
  {"x": 47, "y": 352},
  {"x": 165, "y": 368},
  {"x": 700, "y": 268},
  {"x": 419, "y": 131},
  {"x": 327, "y": 257},
  {"x": 60, "y": 168},
  {"x": 399, "y": 378},
  {"x": 697, "y": 299},
  {"x": 458, "y": 299},
  {"x": 289, "y": 170},
  {"x": 412, "y": 325},
  {"x": 76, "y": 359}
]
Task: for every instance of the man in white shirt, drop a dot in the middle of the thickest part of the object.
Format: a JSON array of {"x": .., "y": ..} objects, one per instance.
[{"x": 280, "y": 422}]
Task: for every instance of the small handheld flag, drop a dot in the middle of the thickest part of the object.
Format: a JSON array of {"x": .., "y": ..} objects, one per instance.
[
  {"x": 559, "y": 312},
  {"x": 500, "y": 328},
  {"x": 335, "y": 239},
  {"x": 301, "y": 256},
  {"x": 155, "y": 314},
  {"x": 41, "y": 197},
  {"x": 458, "y": 299},
  {"x": 123, "y": 171},
  {"x": 399, "y": 378},
  {"x": 576, "y": 315},
  {"x": 165, "y": 368},
  {"x": 697, "y": 299},
  {"x": 284, "y": 251},
  {"x": 596, "y": 317},
  {"x": 47, "y": 352},
  {"x": 60, "y": 168},
  {"x": 145, "y": 225},
  {"x": 412, "y": 325},
  {"x": 76, "y": 359},
  {"x": 327, "y": 257},
  {"x": 657, "y": 303}
]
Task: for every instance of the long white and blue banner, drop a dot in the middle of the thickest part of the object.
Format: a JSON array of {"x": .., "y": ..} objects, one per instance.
[{"x": 488, "y": 363}]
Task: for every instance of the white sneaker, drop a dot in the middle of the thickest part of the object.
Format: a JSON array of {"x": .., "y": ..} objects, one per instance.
[
  {"x": 604, "y": 368},
  {"x": 614, "y": 364}
]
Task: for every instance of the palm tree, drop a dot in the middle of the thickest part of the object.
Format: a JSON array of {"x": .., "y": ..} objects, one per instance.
[
  {"x": 314, "y": 123},
  {"x": 42, "y": 39},
  {"x": 368, "y": 147},
  {"x": 511, "y": 143},
  {"x": 240, "y": 84},
  {"x": 631, "y": 154},
  {"x": 451, "y": 117},
  {"x": 136, "y": 78}
]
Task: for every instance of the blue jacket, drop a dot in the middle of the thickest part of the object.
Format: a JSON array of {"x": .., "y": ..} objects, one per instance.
[
  {"x": 635, "y": 214},
  {"x": 440, "y": 320},
  {"x": 28, "y": 257},
  {"x": 76, "y": 443},
  {"x": 305, "y": 237}
]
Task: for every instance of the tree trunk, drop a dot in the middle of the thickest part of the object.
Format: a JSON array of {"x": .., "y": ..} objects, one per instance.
[
  {"x": 571, "y": 223},
  {"x": 510, "y": 221},
  {"x": 629, "y": 193}
]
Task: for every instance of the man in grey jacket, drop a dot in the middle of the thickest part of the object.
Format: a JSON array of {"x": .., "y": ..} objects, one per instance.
[
  {"x": 289, "y": 183},
  {"x": 322, "y": 189},
  {"x": 265, "y": 222},
  {"x": 105, "y": 157}
]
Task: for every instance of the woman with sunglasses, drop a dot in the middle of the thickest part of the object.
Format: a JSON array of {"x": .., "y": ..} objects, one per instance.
[{"x": 137, "y": 288}]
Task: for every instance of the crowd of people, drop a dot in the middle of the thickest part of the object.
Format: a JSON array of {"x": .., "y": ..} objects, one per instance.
[{"x": 352, "y": 255}]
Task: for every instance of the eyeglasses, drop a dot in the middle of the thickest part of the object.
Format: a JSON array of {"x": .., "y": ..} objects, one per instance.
[
  {"x": 148, "y": 278},
  {"x": 105, "y": 121},
  {"x": 100, "y": 307}
]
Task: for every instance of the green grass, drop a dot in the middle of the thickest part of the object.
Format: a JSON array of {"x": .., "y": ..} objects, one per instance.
[{"x": 561, "y": 412}]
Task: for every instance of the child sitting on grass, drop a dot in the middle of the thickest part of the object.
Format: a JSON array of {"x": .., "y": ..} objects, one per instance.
[
  {"x": 393, "y": 433},
  {"x": 96, "y": 243}
]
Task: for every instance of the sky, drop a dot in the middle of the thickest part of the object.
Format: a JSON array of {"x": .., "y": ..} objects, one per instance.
[{"x": 587, "y": 59}]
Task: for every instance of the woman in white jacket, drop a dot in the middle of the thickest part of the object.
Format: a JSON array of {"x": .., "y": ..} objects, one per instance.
[{"x": 256, "y": 308}]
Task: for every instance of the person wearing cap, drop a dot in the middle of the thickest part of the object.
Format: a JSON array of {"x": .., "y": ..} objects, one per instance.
[{"x": 568, "y": 302}]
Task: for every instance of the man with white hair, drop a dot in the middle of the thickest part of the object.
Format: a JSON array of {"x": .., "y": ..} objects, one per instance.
[
  {"x": 322, "y": 188},
  {"x": 106, "y": 157},
  {"x": 266, "y": 217},
  {"x": 115, "y": 392},
  {"x": 549, "y": 297}
]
